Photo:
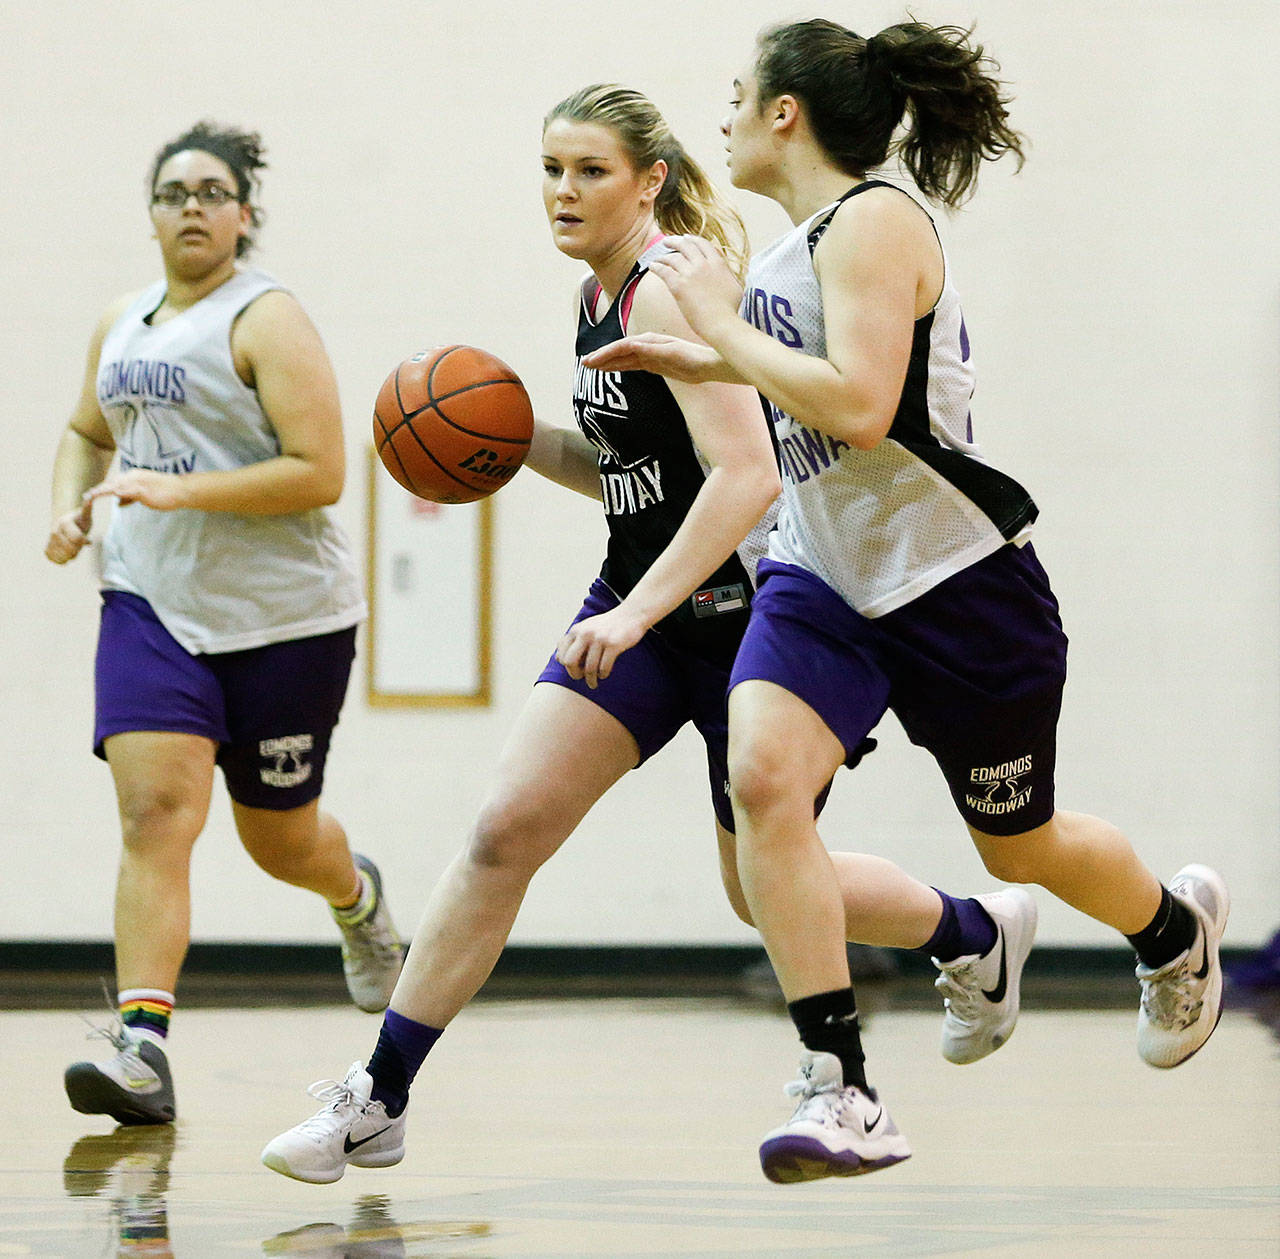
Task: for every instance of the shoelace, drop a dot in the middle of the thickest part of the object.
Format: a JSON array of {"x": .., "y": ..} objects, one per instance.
[
  {"x": 114, "y": 1032},
  {"x": 336, "y": 1097},
  {"x": 824, "y": 1104},
  {"x": 333, "y": 1092},
  {"x": 1172, "y": 1002},
  {"x": 958, "y": 986}
]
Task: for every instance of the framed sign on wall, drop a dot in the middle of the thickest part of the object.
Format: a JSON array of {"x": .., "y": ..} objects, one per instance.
[{"x": 429, "y": 573}]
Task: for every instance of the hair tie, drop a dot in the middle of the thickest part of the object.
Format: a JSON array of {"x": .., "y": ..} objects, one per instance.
[
  {"x": 673, "y": 155},
  {"x": 877, "y": 57}
]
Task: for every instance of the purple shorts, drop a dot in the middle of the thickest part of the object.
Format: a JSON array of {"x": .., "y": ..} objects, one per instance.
[
  {"x": 653, "y": 689},
  {"x": 973, "y": 669},
  {"x": 271, "y": 710}
]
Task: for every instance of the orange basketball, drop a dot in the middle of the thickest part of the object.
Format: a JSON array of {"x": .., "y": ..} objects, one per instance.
[{"x": 452, "y": 424}]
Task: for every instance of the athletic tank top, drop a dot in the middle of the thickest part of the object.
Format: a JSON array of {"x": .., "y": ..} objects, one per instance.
[
  {"x": 218, "y": 581},
  {"x": 882, "y": 526},
  {"x": 650, "y": 473}
]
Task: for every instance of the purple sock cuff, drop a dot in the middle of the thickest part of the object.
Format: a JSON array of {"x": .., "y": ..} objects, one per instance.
[
  {"x": 965, "y": 928},
  {"x": 413, "y": 1040}
]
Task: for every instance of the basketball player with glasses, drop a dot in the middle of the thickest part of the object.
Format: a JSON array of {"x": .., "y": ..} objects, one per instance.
[
  {"x": 687, "y": 477},
  {"x": 230, "y": 598},
  {"x": 900, "y": 575}
]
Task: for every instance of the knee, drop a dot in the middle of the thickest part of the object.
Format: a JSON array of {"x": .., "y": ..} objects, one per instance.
[
  {"x": 1010, "y": 866},
  {"x": 759, "y": 780},
  {"x": 155, "y": 819},
  {"x": 1025, "y": 858},
  {"x": 504, "y": 842}
]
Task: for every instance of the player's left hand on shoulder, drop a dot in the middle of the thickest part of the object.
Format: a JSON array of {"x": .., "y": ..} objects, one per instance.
[
  {"x": 700, "y": 280},
  {"x": 161, "y": 491}
]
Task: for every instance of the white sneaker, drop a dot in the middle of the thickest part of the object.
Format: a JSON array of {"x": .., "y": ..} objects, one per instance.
[
  {"x": 134, "y": 1087},
  {"x": 350, "y": 1129},
  {"x": 981, "y": 993},
  {"x": 835, "y": 1131},
  {"x": 372, "y": 953},
  {"x": 1182, "y": 1000}
]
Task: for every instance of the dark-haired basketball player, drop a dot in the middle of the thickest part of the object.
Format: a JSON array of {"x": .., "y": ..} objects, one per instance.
[
  {"x": 685, "y": 473},
  {"x": 229, "y": 600},
  {"x": 900, "y": 575}
]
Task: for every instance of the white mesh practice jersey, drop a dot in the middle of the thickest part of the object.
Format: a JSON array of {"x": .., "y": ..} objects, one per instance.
[
  {"x": 882, "y": 526},
  {"x": 175, "y": 403}
]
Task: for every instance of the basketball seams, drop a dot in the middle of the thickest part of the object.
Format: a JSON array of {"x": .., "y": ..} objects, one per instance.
[
  {"x": 406, "y": 417},
  {"x": 434, "y": 404},
  {"x": 418, "y": 476},
  {"x": 466, "y": 485}
]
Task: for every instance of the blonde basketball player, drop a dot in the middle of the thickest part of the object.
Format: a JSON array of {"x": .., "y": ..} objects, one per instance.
[{"x": 685, "y": 474}]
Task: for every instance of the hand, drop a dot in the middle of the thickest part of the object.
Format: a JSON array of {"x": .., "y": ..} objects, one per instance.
[
  {"x": 590, "y": 647},
  {"x": 699, "y": 278},
  {"x": 69, "y": 535},
  {"x": 162, "y": 491},
  {"x": 656, "y": 352}
]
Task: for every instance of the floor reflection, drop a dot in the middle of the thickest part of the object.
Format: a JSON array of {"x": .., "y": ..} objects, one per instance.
[
  {"x": 372, "y": 1234},
  {"x": 130, "y": 1167}
]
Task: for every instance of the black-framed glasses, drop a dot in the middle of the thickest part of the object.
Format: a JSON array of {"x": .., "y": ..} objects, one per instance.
[{"x": 208, "y": 196}]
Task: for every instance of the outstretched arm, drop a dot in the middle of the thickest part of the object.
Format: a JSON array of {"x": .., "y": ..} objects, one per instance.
[
  {"x": 565, "y": 456},
  {"x": 672, "y": 357}
]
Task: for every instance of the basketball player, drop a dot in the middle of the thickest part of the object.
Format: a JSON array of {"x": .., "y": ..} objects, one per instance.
[
  {"x": 686, "y": 473},
  {"x": 230, "y": 599},
  {"x": 900, "y": 575}
]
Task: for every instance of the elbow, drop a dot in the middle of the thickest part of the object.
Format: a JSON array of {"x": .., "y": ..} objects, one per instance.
[
  {"x": 769, "y": 488},
  {"x": 325, "y": 489},
  {"x": 866, "y": 429},
  {"x": 327, "y": 478},
  {"x": 330, "y": 495}
]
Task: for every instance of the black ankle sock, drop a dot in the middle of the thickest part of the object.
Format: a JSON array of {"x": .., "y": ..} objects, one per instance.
[
  {"x": 828, "y": 1023},
  {"x": 1170, "y": 932}
]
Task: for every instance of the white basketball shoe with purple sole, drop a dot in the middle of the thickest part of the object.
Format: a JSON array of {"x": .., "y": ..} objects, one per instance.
[{"x": 835, "y": 1131}]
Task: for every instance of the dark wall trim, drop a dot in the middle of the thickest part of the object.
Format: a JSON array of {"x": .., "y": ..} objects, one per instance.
[{"x": 522, "y": 960}]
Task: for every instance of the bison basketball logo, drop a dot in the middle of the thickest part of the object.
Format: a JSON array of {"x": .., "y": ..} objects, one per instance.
[
  {"x": 999, "y": 788},
  {"x": 286, "y": 768},
  {"x": 143, "y": 444}
]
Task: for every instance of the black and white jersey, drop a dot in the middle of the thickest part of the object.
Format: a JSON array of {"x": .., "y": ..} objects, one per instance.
[
  {"x": 882, "y": 526},
  {"x": 650, "y": 473}
]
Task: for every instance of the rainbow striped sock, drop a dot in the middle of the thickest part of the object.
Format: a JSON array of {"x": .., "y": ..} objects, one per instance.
[{"x": 146, "y": 1010}]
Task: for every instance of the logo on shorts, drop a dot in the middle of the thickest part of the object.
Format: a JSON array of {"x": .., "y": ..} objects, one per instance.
[
  {"x": 998, "y": 788},
  {"x": 289, "y": 769}
]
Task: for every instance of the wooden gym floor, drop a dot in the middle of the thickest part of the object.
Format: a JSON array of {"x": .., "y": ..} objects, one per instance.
[{"x": 628, "y": 1127}]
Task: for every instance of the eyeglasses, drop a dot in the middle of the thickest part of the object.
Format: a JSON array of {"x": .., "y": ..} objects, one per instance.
[{"x": 208, "y": 196}]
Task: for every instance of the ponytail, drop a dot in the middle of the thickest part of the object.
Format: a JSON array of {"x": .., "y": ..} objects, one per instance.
[{"x": 856, "y": 92}]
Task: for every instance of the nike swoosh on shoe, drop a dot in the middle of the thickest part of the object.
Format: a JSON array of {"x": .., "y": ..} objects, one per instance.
[
  {"x": 348, "y": 1144},
  {"x": 996, "y": 994},
  {"x": 1203, "y": 972}
]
